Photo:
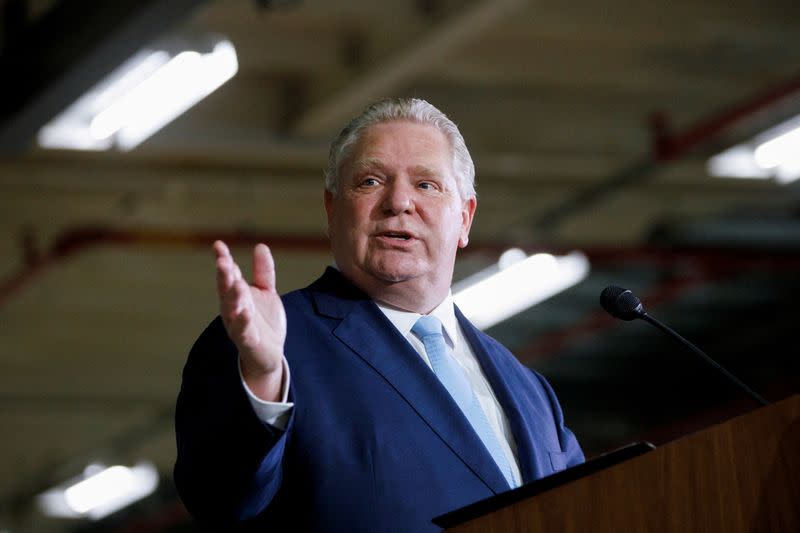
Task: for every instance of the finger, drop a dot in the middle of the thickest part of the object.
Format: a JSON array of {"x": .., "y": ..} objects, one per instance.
[
  {"x": 263, "y": 267},
  {"x": 228, "y": 271},
  {"x": 241, "y": 296},
  {"x": 234, "y": 302},
  {"x": 221, "y": 249},
  {"x": 223, "y": 265},
  {"x": 225, "y": 274}
]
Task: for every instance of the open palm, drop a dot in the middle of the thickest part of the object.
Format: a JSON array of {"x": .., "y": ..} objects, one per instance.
[{"x": 253, "y": 314}]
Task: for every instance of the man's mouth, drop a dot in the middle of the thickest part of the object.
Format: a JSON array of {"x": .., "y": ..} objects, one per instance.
[{"x": 398, "y": 235}]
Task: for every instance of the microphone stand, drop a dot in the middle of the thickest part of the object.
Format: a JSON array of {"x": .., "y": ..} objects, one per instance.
[{"x": 669, "y": 331}]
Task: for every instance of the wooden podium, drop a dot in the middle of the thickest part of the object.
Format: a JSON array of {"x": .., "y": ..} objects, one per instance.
[{"x": 742, "y": 475}]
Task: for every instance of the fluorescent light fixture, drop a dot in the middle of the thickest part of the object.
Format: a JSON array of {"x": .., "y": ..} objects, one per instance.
[
  {"x": 516, "y": 283},
  {"x": 774, "y": 154},
  {"x": 140, "y": 97},
  {"x": 100, "y": 491}
]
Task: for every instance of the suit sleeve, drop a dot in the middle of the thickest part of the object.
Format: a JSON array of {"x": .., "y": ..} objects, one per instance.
[
  {"x": 573, "y": 454},
  {"x": 229, "y": 463}
]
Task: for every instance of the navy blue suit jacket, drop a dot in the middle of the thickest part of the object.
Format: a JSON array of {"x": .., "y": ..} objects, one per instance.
[{"x": 374, "y": 442}]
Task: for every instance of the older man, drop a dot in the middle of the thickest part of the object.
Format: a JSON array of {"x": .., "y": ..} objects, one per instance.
[{"x": 366, "y": 401}]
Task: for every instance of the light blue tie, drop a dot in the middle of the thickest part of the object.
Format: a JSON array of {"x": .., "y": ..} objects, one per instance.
[{"x": 452, "y": 376}]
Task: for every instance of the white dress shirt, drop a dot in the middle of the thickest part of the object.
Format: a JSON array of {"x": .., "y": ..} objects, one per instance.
[
  {"x": 463, "y": 354},
  {"x": 277, "y": 413}
]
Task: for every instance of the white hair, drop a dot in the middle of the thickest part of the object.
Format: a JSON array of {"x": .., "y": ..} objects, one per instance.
[{"x": 392, "y": 109}]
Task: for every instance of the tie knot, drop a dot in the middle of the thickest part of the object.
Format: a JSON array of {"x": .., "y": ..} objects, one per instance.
[{"x": 427, "y": 325}]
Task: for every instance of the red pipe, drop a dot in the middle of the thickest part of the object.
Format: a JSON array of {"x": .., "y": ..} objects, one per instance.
[
  {"x": 77, "y": 240},
  {"x": 667, "y": 146},
  {"x": 168, "y": 516},
  {"x": 553, "y": 342},
  {"x": 71, "y": 242}
]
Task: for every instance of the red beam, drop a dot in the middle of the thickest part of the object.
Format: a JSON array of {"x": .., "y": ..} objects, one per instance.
[
  {"x": 74, "y": 241},
  {"x": 668, "y": 146}
]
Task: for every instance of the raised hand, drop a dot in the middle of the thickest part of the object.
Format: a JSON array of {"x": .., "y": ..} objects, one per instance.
[{"x": 254, "y": 318}]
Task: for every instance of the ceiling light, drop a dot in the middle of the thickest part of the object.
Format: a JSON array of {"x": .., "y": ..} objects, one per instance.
[
  {"x": 516, "y": 283},
  {"x": 774, "y": 153},
  {"x": 142, "y": 96},
  {"x": 100, "y": 491}
]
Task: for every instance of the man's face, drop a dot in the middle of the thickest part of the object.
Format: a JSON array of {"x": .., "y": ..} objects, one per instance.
[{"x": 398, "y": 215}]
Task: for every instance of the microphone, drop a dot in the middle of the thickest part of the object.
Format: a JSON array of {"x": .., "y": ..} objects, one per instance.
[{"x": 623, "y": 304}]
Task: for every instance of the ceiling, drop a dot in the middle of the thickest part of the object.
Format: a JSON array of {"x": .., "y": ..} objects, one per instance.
[{"x": 589, "y": 125}]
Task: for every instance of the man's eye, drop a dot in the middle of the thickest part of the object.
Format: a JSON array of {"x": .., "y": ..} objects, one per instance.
[
  {"x": 369, "y": 182},
  {"x": 426, "y": 185}
]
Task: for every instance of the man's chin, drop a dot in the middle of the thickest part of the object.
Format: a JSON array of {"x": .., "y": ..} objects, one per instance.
[
  {"x": 393, "y": 277},
  {"x": 394, "y": 273}
]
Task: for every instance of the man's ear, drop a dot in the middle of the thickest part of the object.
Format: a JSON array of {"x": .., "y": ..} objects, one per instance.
[
  {"x": 467, "y": 214},
  {"x": 328, "y": 201}
]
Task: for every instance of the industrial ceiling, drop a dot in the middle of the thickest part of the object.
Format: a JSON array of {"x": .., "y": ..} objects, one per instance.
[{"x": 590, "y": 125}]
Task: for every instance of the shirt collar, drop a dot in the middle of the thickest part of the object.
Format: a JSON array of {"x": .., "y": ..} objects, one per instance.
[{"x": 405, "y": 320}]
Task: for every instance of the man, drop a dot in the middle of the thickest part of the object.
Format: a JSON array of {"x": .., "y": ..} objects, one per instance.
[{"x": 321, "y": 410}]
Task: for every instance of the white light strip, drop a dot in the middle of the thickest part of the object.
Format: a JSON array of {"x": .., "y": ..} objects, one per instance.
[
  {"x": 781, "y": 150},
  {"x": 100, "y": 491},
  {"x": 736, "y": 162},
  {"x": 69, "y": 129},
  {"x": 145, "y": 97},
  {"x": 185, "y": 80},
  {"x": 772, "y": 154},
  {"x": 500, "y": 293},
  {"x": 140, "y": 98},
  {"x": 123, "y": 80}
]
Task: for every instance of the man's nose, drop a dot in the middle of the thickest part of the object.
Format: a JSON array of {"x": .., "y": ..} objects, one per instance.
[{"x": 399, "y": 198}]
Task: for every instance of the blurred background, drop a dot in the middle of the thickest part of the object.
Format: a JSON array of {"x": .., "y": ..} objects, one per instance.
[{"x": 650, "y": 143}]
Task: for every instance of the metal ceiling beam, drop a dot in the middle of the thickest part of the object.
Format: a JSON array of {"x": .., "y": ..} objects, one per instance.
[
  {"x": 709, "y": 263},
  {"x": 386, "y": 76},
  {"x": 761, "y": 111},
  {"x": 69, "y": 49},
  {"x": 769, "y": 107}
]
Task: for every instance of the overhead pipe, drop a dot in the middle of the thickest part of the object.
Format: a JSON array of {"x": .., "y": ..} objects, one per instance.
[
  {"x": 738, "y": 120},
  {"x": 742, "y": 119},
  {"x": 698, "y": 266},
  {"x": 597, "y": 321},
  {"x": 77, "y": 240}
]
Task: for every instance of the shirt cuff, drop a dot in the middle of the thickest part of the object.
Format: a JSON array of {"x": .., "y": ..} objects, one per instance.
[{"x": 273, "y": 413}]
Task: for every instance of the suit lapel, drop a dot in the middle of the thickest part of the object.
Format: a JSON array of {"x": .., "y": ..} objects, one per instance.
[
  {"x": 369, "y": 334},
  {"x": 525, "y": 418}
]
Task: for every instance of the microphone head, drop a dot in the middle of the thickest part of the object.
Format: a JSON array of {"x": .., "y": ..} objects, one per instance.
[{"x": 621, "y": 303}]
